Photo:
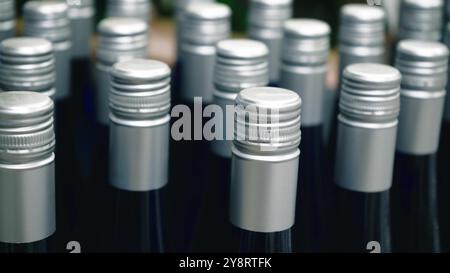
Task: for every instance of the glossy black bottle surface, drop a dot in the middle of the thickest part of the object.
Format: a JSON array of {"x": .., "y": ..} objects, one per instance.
[
  {"x": 415, "y": 205},
  {"x": 362, "y": 218},
  {"x": 137, "y": 225}
]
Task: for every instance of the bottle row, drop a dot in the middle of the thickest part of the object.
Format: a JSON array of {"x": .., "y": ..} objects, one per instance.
[{"x": 209, "y": 158}]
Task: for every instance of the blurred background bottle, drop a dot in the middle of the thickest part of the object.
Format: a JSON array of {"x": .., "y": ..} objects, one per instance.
[
  {"x": 305, "y": 52},
  {"x": 27, "y": 64},
  {"x": 50, "y": 20},
  {"x": 444, "y": 171},
  {"x": 369, "y": 107},
  {"x": 414, "y": 197},
  {"x": 264, "y": 173},
  {"x": 204, "y": 24},
  {"x": 162, "y": 46},
  {"x": 179, "y": 10},
  {"x": 27, "y": 173},
  {"x": 114, "y": 45},
  {"x": 139, "y": 9},
  {"x": 265, "y": 24},
  {"x": 82, "y": 21},
  {"x": 361, "y": 40},
  {"x": 240, "y": 64},
  {"x": 7, "y": 19},
  {"x": 421, "y": 20},
  {"x": 139, "y": 155}
]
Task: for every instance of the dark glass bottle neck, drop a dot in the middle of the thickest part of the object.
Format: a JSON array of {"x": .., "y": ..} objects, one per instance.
[
  {"x": 415, "y": 211},
  {"x": 256, "y": 242},
  {"x": 214, "y": 232},
  {"x": 137, "y": 224},
  {"x": 444, "y": 186},
  {"x": 362, "y": 219},
  {"x": 312, "y": 196},
  {"x": 30, "y": 248}
]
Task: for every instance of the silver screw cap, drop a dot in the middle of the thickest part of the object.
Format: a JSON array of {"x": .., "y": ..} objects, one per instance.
[
  {"x": 26, "y": 127},
  {"x": 267, "y": 121},
  {"x": 47, "y": 19},
  {"x": 241, "y": 64},
  {"x": 122, "y": 39},
  {"x": 306, "y": 41},
  {"x": 140, "y": 89},
  {"x": 205, "y": 23},
  {"x": 27, "y": 63},
  {"x": 370, "y": 93}
]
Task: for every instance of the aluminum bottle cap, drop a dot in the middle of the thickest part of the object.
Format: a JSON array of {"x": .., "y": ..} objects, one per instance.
[
  {"x": 182, "y": 4},
  {"x": 140, "y": 9},
  {"x": 121, "y": 39},
  {"x": 306, "y": 41},
  {"x": 79, "y": 9},
  {"x": 423, "y": 65},
  {"x": 270, "y": 14},
  {"x": 27, "y": 63},
  {"x": 362, "y": 25},
  {"x": 267, "y": 121},
  {"x": 26, "y": 126},
  {"x": 7, "y": 10},
  {"x": 140, "y": 89},
  {"x": 241, "y": 64},
  {"x": 48, "y": 19},
  {"x": 419, "y": 18},
  {"x": 206, "y": 23},
  {"x": 370, "y": 93}
]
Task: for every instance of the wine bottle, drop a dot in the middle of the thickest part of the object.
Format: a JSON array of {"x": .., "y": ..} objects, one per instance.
[
  {"x": 444, "y": 177},
  {"x": 304, "y": 67},
  {"x": 265, "y": 24},
  {"x": 204, "y": 24},
  {"x": 443, "y": 170},
  {"x": 369, "y": 108},
  {"x": 265, "y": 168},
  {"x": 421, "y": 20},
  {"x": 361, "y": 40},
  {"x": 81, "y": 14},
  {"x": 114, "y": 45},
  {"x": 7, "y": 19},
  {"x": 50, "y": 20},
  {"x": 139, "y": 9},
  {"x": 180, "y": 6},
  {"x": 415, "y": 221},
  {"x": 27, "y": 172},
  {"x": 240, "y": 64},
  {"x": 139, "y": 131}
]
